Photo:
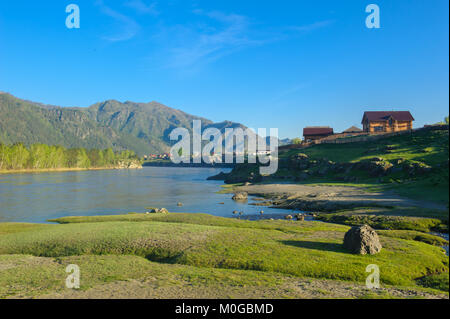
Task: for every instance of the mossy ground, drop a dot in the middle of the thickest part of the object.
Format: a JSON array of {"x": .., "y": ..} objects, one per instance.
[
  {"x": 396, "y": 218},
  {"x": 203, "y": 250}
]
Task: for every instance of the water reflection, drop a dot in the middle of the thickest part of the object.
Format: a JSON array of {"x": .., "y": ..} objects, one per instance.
[{"x": 38, "y": 197}]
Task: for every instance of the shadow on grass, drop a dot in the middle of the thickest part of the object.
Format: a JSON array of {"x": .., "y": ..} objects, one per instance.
[{"x": 338, "y": 248}]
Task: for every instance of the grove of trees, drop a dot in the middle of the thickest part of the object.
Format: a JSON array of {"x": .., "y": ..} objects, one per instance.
[{"x": 42, "y": 156}]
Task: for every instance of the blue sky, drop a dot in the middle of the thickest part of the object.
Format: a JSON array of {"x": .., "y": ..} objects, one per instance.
[{"x": 284, "y": 64}]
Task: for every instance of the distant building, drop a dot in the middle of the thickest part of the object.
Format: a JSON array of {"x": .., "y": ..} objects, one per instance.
[
  {"x": 313, "y": 133},
  {"x": 394, "y": 121},
  {"x": 353, "y": 129}
]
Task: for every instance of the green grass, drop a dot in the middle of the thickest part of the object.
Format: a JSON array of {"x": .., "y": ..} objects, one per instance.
[
  {"x": 422, "y": 147},
  {"x": 414, "y": 235},
  {"x": 29, "y": 276},
  {"x": 353, "y": 218},
  {"x": 433, "y": 188},
  {"x": 300, "y": 249},
  {"x": 9, "y": 228},
  {"x": 430, "y": 147},
  {"x": 207, "y": 220},
  {"x": 436, "y": 281}
]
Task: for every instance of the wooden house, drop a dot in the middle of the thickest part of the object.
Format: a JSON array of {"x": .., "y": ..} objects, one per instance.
[
  {"x": 316, "y": 132},
  {"x": 394, "y": 121}
]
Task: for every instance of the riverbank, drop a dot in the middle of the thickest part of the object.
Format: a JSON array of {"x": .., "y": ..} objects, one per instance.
[
  {"x": 192, "y": 255},
  {"x": 74, "y": 169},
  {"x": 168, "y": 163},
  {"x": 351, "y": 205}
]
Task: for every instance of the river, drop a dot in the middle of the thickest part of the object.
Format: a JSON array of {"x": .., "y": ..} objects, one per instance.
[{"x": 37, "y": 197}]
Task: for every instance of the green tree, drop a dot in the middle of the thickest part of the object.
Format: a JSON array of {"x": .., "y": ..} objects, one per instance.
[
  {"x": 109, "y": 157},
  {"x": 82, "y": 159},
  {"x": 96, "y": 158},
  {"x": 18, "y": 156}
]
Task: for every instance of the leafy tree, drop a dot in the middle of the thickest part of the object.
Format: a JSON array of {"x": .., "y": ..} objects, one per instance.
[
  {"x": 42, "y": 156},
  {"x": 18, "y": 156},
  {"x": 109, "y": 157}
]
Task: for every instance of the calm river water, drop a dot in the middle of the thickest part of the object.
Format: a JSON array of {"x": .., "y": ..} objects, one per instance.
[{"x": 42, "y": 196}]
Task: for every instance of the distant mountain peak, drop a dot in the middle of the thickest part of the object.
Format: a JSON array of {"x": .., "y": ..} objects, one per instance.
[{"x": 142, "y": 127}]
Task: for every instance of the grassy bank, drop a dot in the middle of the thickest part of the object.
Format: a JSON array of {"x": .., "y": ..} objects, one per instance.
[
  {"x": 204, "y": 250},
  {"x": 413, "y": 165}
]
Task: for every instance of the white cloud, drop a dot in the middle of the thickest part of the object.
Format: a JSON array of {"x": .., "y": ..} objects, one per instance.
[
  {"x": 201, "y": 43},
  {"x": 142, "y": 8},
  {"x": 129, "y": 27}
]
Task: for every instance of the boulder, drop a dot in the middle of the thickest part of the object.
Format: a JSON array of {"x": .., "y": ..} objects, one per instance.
[
  {"x": 416, "y": 168},
  {"x": 159, "y": 211},
  {"x": 240, "y": 196},
  {"x": 299, "y": 161},
  {"x": 362, "y": 240}
]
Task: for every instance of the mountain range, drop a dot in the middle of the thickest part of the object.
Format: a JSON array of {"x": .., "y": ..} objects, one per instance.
[{"x": 141, "y": 127}]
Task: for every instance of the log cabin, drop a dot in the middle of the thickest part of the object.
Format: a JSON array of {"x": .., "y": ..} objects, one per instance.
[
  {"x": 316, "y": 133},
  {"x": 395, "y": 121}
]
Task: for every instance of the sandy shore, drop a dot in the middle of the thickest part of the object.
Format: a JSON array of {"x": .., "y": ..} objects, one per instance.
[{"x": 329, "y": 198}]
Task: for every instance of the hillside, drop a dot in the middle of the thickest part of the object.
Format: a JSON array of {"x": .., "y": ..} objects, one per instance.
[
  {"x": 141, "y": 127},
  {"x": 414, "y": 165}
]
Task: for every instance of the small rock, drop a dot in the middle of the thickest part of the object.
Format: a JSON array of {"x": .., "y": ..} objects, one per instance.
[
  {"x": 235, "y": 212},
  {"x": 261, "y": 212},
  {"x": 159, "y": 211},
  {"x": 362, "y": 240},
  {"x": 179, "y": 204},
  {"x": 240, "y": 196}
]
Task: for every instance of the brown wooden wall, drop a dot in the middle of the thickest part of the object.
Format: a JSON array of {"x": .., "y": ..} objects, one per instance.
[{"x": 384, "y": 126}]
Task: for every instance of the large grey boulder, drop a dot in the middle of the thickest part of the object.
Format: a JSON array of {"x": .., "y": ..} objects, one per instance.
[{"x": 362, "y": 240}]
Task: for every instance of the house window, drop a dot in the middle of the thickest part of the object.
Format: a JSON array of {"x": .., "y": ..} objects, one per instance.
[{"x": 378, "y": 129}]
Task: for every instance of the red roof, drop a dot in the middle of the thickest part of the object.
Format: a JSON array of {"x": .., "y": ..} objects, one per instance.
[
  {"x": 384, "y": 116},
  {"x": 317, "y": 131}
]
